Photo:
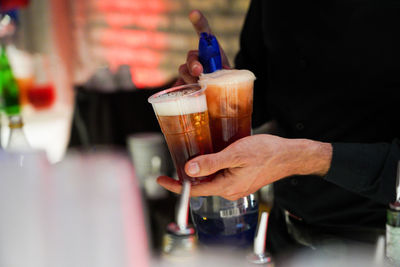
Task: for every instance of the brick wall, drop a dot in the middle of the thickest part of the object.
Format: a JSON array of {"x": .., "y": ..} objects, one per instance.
[{"x": 152, "y": 36}]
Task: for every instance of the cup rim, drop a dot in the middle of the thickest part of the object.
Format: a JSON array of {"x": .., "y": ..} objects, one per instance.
[{"x": 155, "y": 97}]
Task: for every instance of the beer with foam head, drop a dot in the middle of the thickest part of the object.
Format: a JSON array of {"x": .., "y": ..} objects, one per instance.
[
  {"x": 230, "y": 105},
  {"x": 182, "y": 114}
]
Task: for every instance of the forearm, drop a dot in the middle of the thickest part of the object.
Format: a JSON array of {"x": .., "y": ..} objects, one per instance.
[{"x": 307, "y": 157}]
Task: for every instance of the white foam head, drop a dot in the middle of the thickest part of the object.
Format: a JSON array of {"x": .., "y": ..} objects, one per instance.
[
  {"x": 224, "y": 77},
  {"x": 179, "y": 102}
]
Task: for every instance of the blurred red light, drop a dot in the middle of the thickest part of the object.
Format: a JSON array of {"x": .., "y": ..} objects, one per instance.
[
  {"x": 141, "y": 47},
  {"x": 6, "y": 5}
]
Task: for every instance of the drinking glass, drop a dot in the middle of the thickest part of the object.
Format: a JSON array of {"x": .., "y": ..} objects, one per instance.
[{"x": 183, "y": 117}]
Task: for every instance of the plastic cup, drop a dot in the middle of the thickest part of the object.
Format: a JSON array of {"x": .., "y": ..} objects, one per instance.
[
  {"x": 183, "y": 117},
  {"x": 230, "y": 105}
]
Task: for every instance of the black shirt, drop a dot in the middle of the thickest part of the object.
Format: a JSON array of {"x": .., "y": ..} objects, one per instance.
[{"x": 330, "y": 71}]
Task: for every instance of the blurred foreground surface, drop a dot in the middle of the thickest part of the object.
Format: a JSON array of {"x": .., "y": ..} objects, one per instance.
[
  {"x": 84, "y": 211},
  {"x": 87, "y": 210}
]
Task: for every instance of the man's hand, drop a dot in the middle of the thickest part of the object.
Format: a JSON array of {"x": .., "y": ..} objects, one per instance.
[
  {"x": 191, "y": 70},
  {"x": 253, "y": 162}
]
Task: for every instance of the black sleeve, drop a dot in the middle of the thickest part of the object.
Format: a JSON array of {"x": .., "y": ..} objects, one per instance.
[
  {"x": 253, "y": 56},
  {"x": 367, "y": 169}
]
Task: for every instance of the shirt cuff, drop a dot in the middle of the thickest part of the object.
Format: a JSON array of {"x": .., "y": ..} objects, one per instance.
[{"x": 366, "y": 169}]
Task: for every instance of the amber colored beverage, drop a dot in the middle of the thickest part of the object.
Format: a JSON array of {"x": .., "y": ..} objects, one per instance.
[
  {"x": 230, "y": 105},
  {"x": 187, "y": 136},
  {"x": 183, "y": 118}
]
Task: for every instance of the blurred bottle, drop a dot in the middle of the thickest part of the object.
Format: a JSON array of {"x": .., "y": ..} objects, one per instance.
[
  {"x": 178, "y": 247},
  {"x": 123, "y": 78},
  {"x": 17, "y": 141},
  {"x": 393, "y": 234},
  {"x": 152, "y": 189},
  {"x": 14, "y": 59},
  {"x": 1, "y": 118},
  {"x": 102, "y": 81},
  {"x": 393, "y": 226},
  {"x": 22, "y": 67},
  {"x": 179, "y": 242},
  {"x": 10, "y": 91},
  {"x": 1, "y": 109},
  {"x": 144, "y": 148}
]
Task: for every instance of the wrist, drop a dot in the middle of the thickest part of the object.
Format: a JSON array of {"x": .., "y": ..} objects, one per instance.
[{"x": 310, "y": 157}]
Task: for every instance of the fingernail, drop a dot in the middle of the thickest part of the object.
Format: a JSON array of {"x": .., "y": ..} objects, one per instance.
[
  {"x": 195, "y": 68},
  {"x": 193, "y": 168},
  {"x": 194, "y": 16}
]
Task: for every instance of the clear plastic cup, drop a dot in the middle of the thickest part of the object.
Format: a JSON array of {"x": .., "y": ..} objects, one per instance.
[
  {"x": 230, "y": 105},
  {"x": 183, "y": 117}
]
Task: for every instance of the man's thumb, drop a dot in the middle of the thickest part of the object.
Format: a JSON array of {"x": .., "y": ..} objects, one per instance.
[{"x": 211, "y": 163}]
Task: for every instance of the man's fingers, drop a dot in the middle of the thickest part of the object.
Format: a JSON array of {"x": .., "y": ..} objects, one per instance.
[
  {"x": 185, "y": 75},
  {"x": 234, "y": 196},
  {"x": 204, "y": 189},
  {"x": 178, "y": 82},
  {"x": 215, "y": 187},
  {"x": 211, "y": 163},
  {"x": 193, "y": 63},
  {"x": 170, "y": 184},
  {"x": 199, "y": 22}
]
